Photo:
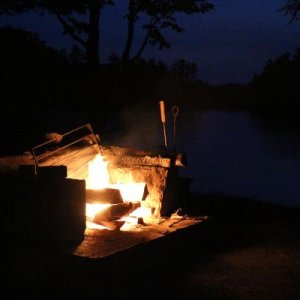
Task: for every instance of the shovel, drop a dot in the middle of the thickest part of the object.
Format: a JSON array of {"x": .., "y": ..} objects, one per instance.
[{"x": 163, "y": 120}]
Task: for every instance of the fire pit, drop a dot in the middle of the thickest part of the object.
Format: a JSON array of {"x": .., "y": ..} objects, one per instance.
[{"x": 106, "y": 198}]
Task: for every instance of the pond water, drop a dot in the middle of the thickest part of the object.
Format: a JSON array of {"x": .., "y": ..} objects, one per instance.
[
  {"x": 233, "y": 154},
  {"x": 229, "y": 153}
]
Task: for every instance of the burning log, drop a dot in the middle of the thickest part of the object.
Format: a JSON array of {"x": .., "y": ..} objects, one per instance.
[
  {"x": 115, "y": 212},
  {"x": 103, "y": 196},
  {"x": 112, "y": 225}
]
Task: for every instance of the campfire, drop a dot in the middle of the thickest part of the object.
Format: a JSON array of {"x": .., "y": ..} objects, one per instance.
[
  {"x": 125, "y": 187},
  {"x": 73, "y": 190},
  {"x": 111, "y": 205}
]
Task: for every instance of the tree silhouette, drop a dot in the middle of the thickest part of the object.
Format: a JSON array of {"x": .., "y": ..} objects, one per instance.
[
  {"x": 184, "y": 70},
  {"x": 35, "y": 53},
  {"x": 81, "y": 20},
  {"x": 86, "y": 33},
  {"x": 161, "y": 16},
  {"x": 292, "y": 8},
  {"x": 277, "y": 87},
  {"x": 12, "y": 7},
  {"x": 70, "y": 13}
]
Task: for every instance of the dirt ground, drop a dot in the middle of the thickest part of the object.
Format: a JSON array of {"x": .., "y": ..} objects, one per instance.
[{"x": 245, "y": 250}]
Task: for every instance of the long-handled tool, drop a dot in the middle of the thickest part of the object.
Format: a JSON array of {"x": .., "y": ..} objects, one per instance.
[
  {"x": 175, "y": 112},
  {"x": 163, "y": 120}
]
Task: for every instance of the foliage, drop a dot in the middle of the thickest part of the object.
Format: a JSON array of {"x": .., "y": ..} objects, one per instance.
[
  {"x": 12, "y": 7},
  {"x": 184, "y": 70},
  {"x": 162, "y": 15},
  {"x": 292, "y": 8},
  {"x": 34, "y": 52},
  {"x": 70, "y": 13},
  {"x": 80, "y": 20},
  {"x": 277, "y": 91}
]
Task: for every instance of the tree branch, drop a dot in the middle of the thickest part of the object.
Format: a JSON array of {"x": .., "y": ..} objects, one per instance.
[
  {"x": 147, "y": 37},
  {"x": 70, "y": 30},
  {"x": 143, "y": 45}
]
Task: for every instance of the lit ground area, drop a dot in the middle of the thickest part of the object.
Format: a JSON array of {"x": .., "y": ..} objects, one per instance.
[
  {"x": 245, "y": 250},
  {"x": 102, "y": 243}
]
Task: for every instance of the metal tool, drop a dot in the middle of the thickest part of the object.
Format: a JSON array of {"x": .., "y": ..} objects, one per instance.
[
  {"x": 175, "y": 112},
  {"x": 163, "y": 120}
]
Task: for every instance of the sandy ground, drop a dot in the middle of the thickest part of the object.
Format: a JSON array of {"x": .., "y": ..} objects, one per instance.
[{"x": 245, "y": 250}]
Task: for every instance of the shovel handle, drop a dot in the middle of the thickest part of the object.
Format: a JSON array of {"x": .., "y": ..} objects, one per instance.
[{"x": 162, "y": 111}]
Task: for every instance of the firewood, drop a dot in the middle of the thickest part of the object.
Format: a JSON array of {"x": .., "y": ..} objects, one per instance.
[
  {"x": 112, "y": 225},
  {"x": 116, "y": 212},
  {"x": 52, "y": 172},
  {"x": 103, "y": 196}
]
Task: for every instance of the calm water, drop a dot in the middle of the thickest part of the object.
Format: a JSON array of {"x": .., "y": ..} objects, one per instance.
[{"x": 229, "y": 153}]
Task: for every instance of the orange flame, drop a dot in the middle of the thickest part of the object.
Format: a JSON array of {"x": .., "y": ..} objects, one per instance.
[{"x": 98, "y": 178}]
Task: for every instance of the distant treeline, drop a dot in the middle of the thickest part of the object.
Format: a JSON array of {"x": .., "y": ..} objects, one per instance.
[
  {"x": 277, "y": 91},
  {"x": 36, "y": 78}
]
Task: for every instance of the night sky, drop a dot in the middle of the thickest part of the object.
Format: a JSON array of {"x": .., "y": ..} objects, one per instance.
[{"x": 229, "y": 44}]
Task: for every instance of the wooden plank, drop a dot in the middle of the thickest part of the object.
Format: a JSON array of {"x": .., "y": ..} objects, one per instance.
[
  {"x": 115, "y": 212},
  {"x": 103, "y": 196}
]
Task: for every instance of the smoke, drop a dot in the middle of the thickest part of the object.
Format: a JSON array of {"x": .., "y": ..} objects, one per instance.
[{"x": 140, "y": 128}]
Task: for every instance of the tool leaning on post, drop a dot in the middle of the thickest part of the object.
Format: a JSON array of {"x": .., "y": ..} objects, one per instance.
[
  {"x": 163, "y": 120},
  {"x": 175, "y": 112}
]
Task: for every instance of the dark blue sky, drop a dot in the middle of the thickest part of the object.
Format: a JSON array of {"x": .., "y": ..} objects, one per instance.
[{"x": 229, "y": 44}]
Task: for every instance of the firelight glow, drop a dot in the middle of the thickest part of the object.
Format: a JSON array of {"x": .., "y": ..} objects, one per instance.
[
  {"x": 98, "y": 178},
  {"x": 131, "y": 191},
  {"x": 92, "y": 209}
]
